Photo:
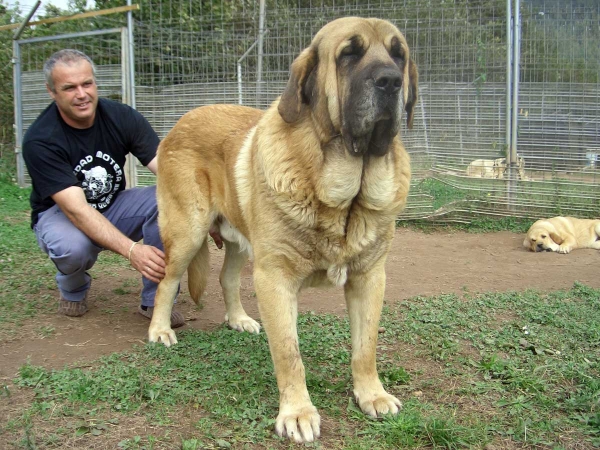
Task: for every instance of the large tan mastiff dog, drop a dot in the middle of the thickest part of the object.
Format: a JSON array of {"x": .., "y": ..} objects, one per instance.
[{"x": 311, "y": 188}]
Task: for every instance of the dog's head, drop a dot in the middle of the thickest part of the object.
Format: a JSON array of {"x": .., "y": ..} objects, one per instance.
[
  {"x": 355, "y": 78},
  {"x": 542, "y": 237}
]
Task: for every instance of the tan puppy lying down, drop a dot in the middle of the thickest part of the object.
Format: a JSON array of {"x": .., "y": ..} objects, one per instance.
[
  {"x": 563, "y": 234},
  {"x": 487, "y": 168},
  {"x": 493, "y": 168}
]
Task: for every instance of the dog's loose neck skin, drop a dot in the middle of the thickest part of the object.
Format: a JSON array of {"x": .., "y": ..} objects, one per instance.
[{"x": 346, "y": 199}]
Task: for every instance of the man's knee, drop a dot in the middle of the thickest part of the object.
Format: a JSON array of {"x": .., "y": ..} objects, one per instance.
[{"x": 75, "y": 253}]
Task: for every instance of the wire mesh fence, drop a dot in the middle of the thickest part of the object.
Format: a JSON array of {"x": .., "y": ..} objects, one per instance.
[{"x": 189, "y": 54}]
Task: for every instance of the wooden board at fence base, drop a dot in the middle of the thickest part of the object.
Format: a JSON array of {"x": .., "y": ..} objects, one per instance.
[{"x": 85, "y": 15}]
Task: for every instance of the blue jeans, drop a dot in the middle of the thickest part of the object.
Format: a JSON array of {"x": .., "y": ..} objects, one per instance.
[{"x": 134, "y": 213}]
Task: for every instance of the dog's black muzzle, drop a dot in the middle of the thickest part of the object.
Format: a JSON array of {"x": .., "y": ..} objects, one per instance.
[{"x": 372, "y": 114}]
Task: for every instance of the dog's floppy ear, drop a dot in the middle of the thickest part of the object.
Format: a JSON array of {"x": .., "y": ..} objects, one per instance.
[
  {"x": 293, "y": 96},
  {"x": 551, "y": 230},
  {"x": 411, "y": 92},
  {"x": 556, "y": 238}
]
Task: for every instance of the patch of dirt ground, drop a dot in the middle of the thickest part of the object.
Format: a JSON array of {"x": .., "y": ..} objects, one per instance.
[{"x": 418, "y": 264}]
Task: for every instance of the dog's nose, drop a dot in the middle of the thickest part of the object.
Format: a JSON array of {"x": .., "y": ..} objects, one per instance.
[{"x": 388, "y": 80}]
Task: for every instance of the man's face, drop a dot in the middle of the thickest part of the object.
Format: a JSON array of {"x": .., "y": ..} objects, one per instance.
[{"x": 75, "y": 93}]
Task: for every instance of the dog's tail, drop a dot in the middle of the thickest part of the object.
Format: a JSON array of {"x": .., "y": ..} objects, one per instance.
[{"x": 198, "y": 271}]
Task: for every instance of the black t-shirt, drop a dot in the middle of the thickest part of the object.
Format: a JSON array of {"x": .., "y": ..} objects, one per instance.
[{"x": 59, "y": 156}]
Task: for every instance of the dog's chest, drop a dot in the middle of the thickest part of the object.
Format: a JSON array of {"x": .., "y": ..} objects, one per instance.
[
  {"x": 338, "y": 181},
  {"x": 350, "y": 230},
  {"x": 342, "y": 208},
  {"x": 345, "y": 179},
  {"x": 354, "y": 244},
  {"x": 343, "y": 236}
]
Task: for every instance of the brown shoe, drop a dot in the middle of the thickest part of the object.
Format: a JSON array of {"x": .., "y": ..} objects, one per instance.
[
  {"x": 177, "y": 319},
  {"x": 72, "y": 309}
]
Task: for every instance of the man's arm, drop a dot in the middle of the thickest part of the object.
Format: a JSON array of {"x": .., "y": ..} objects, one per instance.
[
  {"x": 153, "y": 166},
  {"x": 146, "y": 259}
]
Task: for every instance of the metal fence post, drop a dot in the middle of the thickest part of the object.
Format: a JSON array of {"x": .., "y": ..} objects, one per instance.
[
  {"x": 18, "y": 105},
  {"x": 423, "y": 116},
  {"x": 513, "y": 102},
  {"x": 129, "y": 99},
  {"x": 18, "y": 126},
  {"x": 259, "y": 64},
  {"x": 509, "y": 43},
  {"x": 131, "y": 71}
]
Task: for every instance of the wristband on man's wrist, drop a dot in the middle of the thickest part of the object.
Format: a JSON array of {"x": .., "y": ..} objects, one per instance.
[{"x": 130, "y": 250}]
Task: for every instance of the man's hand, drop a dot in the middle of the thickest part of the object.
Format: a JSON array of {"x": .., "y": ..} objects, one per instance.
[{"x": 149, "y": 261}]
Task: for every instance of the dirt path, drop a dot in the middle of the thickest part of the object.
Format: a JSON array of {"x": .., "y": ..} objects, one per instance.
[{"x": 419, "y": 264}]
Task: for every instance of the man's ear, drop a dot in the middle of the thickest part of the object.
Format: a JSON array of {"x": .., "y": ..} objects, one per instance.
[
  {"x": 290, "y": 104},
  {"x": 50, "y": 91},
  {"x": 411, "y": 92}
]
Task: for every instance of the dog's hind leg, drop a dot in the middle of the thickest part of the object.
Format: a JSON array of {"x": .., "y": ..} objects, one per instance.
[
  {"x": 181, "y": 247},
  {"x": 236, "y": 316}
]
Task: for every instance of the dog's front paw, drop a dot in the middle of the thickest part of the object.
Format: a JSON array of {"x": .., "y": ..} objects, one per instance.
[
  {"x": 564, "y": 249},
  {"x": 376, "y": 404},
  {"x": 300, "y": 425},
  {"x": 162, "y": 334},
  {"x": 243, "y": 323}
]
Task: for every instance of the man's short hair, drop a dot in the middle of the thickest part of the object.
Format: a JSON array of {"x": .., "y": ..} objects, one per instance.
[{"x": 66, "y": 56}]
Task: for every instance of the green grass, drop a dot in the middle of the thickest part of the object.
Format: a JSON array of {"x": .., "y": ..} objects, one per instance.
[
  {"x": 520, "y": 368},
  {"x": 20, "y": 257},
  {"x": 443, "y": 194}
]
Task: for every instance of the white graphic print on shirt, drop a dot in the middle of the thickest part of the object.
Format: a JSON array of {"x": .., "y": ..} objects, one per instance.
[
  {"x": 97, "y": 182},
  {"x": 102, "y": 178}
]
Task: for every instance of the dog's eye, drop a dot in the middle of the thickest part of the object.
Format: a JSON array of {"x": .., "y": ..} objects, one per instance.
[
  {"x": 354, "y": 48},
  {"x": 544, "y": 236},
  {"x": 396, "y": 49},
  {"x": 349, "y": 51}
]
